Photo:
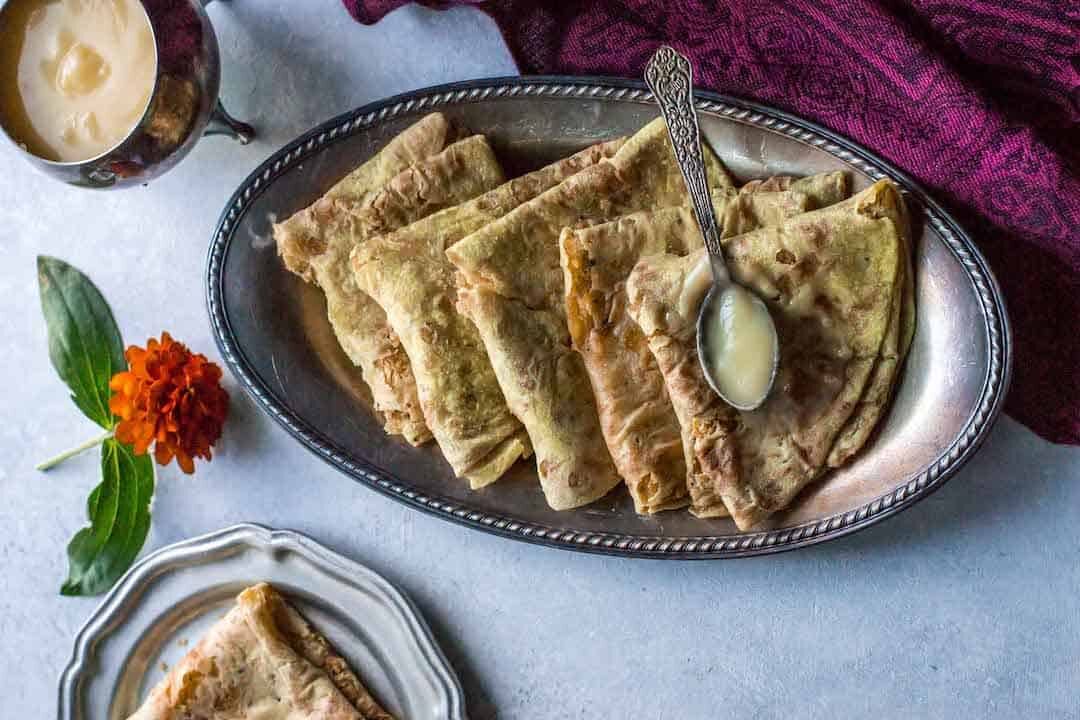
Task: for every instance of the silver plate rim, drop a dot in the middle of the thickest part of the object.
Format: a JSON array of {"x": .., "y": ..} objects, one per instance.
[
  {"x": 256, "y": 535},
  {"x": 944, "y": 466}
]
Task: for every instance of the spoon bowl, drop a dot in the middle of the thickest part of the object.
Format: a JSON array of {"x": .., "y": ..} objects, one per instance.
[{"x": 736, "y": 397}]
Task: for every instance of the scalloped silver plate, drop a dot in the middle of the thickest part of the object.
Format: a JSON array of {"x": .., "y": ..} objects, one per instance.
[
  {"x": 168, "y": 600},
  {"x": 272, "y": 329}
]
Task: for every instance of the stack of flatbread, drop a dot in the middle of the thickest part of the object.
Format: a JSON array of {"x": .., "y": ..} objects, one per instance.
[
  {"x": 262, "y": 660},
  {"x": 550, "y": 315}
]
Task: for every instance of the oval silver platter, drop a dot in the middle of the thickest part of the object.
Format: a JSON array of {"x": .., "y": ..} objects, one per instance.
[
  {"x": 165, "y": 603},
  {"x": 272, "y": 328}
]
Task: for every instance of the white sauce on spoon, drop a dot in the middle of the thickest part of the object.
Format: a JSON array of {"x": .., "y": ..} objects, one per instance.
[
  {"x": 695, "y": 287},
  {"x": 741, "y": 339}
]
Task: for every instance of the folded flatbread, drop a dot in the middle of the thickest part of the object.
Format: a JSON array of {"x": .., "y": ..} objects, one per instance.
[
  {"x": 317, "y": 241},
  {"x": 302, "y": 237},
  {"x": 511, "y": 287},
  {"x": 830, "y": 279},
  {"x": 636, "y": 417},
  {"x": 639, "y": 423},
  {"x": 408, "y": 274},
  {"x": 894, "y": 349},
  {"x": 824, "y": 189},
  {"x": 262, "y": 660}
]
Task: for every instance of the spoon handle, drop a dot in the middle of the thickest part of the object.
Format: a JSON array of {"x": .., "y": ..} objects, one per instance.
[{"x": 670, "y": 78}]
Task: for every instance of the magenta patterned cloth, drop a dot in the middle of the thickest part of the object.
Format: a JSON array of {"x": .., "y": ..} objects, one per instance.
[{"x": 978, "y": 99}]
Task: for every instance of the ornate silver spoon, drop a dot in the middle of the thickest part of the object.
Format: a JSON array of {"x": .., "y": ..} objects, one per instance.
[{"x": 736, "y": 337}]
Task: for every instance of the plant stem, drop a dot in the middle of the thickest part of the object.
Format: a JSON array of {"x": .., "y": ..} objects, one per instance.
[{"x": 52, "y": 462}]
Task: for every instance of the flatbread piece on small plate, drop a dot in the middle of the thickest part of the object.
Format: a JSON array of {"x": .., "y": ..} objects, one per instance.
[{"x": 262, "y": 660}]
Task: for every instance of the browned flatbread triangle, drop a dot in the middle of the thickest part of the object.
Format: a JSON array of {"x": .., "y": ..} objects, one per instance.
[
  {"x": 316, "y": 242},
  {"x": 830, "y": 279},
  {"x": 408, "y": 274},
  {"x": 261, "y": 660},
  {"x": 512, "y": 289},
  {"x": 302, "y": 237},
  {"x": 640, "y": 425}
]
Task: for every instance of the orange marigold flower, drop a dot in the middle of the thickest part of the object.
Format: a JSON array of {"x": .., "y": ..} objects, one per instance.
[{"x": 171, "y": 398}]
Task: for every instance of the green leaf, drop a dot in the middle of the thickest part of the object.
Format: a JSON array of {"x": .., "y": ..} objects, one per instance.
[
  {"x": 119, "y": 510},
  {"x": 84, "y": 343}
]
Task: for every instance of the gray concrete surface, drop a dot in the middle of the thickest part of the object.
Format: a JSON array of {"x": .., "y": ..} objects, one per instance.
[{"x": 966, "y": 606}]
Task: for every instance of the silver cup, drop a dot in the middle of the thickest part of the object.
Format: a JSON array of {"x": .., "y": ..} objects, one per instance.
[{"x": 183, "y": 106}]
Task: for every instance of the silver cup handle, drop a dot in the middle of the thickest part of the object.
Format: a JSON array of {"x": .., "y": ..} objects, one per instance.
[{"x": 222, "y": 123}]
